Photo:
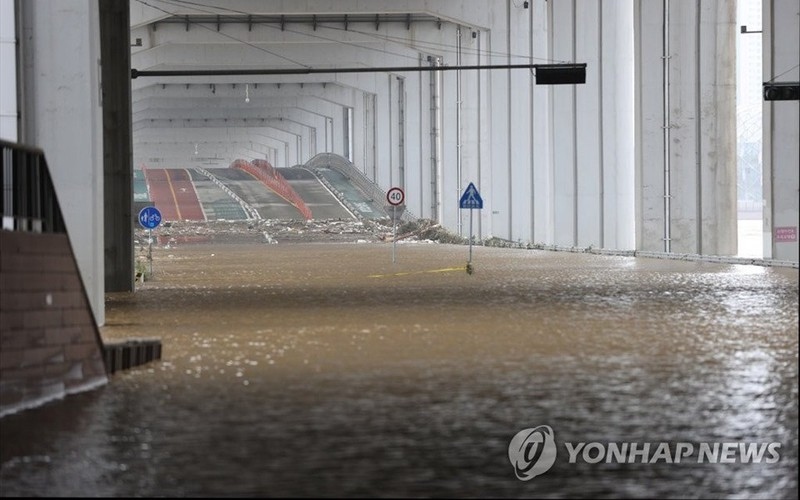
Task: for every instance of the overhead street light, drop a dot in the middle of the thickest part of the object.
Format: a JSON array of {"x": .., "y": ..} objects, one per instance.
[
  {"x": 546, "y": 74},
  {"x": 782, "y": 91}
]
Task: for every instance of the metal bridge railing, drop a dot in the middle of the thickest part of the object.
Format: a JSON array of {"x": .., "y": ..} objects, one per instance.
[
  {"x": 372, "y": 190},
  {"x": 266, "y": 173},
  {"x": 28, "y": 200}
]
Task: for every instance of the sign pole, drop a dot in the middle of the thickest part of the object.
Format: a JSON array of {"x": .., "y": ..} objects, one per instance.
[
  {"x": 395, "y": 196},
  {"x": 470, "y": 235},
  {"x": 394, "y": 232},
  {"x": 149, "y": 218},
  {"x": 471, "y": 199}
]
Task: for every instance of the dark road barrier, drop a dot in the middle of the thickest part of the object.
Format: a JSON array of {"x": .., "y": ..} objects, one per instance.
[{"x": 128, "y": 354}]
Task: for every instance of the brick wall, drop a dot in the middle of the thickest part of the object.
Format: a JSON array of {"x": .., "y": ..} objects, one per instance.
[{"x": 49, "y": 343}]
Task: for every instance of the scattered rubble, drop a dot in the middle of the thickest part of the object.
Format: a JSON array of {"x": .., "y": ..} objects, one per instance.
[
  {"x": 277, "y": 231},
  {"x": 425, "y": 230},
  {"x": 501, "y": 243},
  {"x": 283, "y": 231}
]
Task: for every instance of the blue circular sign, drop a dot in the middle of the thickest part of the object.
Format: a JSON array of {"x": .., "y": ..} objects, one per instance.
[{"x": 149, "y": 217}]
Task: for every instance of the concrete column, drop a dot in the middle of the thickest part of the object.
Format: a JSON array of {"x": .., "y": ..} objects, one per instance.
[
  {"x": 518, "y": 110},
  {"x": 588, "y": 133},
  {"x": 497, "y": 196},
  {"x": 781, "y": 26},
  {"x": 617, "y": 126},
  {"x": 482, "y": 131},
  {"x": 717, "y": 102},
  {"x": 413, "y": 151},
  {"x": 447, "y": 183},
  {"x": 650, "y": 146},
  {"x": 686, "y": 175},
  {"x": 472, "y": 103},
  {"x": 61, "y": 114},
  {"x": 117, "y": 145},
  {"x": 564, "y": 128},
  {"x": 392, "y": 128},
  {"x": 540, "y": 141},
  {"x": 368, "y": 136},
  {"x": 8, "y": 72},
  {"x": 384, "y": 142},
  {"x": 423, "y": 204},
  {"x": 541, "y": 132}
]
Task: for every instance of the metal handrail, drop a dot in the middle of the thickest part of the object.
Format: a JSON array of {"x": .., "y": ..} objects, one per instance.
[
  {"x": 372, "y": 190},
  {"x": 28, "y": 200}
]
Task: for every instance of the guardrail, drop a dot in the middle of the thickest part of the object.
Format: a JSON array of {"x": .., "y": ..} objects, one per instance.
[
  {"x": 28, "y": 200},
  {"x": 370, "y": 189},
  {"x": 249, "y": 211},
  {"x": 266, "y": 173},
  {"x": 338, "y": 194}
]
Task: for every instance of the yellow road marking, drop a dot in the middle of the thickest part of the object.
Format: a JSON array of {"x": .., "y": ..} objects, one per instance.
[
  {"x": 406, "y": 273},
  {"x": 174, "y": 198}
]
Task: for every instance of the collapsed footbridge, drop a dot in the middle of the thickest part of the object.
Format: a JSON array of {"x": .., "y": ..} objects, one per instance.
[{"x": 324, "y": 188}]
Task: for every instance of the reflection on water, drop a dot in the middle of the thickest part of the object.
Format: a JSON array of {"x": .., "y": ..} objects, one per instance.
[{"x": 294, "y": 371}]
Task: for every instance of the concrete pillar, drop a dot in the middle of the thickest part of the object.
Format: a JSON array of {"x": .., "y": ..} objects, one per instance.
[
  {"x": 496, "y": 196},
  {"x": 8, "y": 72},
  {"x": 781, "y": 26},
  {"x": 617, "y": 126},
  {"x": 518, "y": 110},
  {"x": 718, "y": 164},
  {"x": 473, "y": 99},
  {"x": 117, "y": 145},
  {"x": 589, "y": 137},
  {"x": 564, "y": 127},
  {"x": 649, "y": 114},
  {"x": 541, "y": 131},
  {"x": 420, "y": 196},
  {"x": 61, "y": 113},
  {"x": 685, "y": 126}
]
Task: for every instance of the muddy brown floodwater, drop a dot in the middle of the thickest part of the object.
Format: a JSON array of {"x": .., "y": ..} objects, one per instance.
[{"x": 326, "y": 370}]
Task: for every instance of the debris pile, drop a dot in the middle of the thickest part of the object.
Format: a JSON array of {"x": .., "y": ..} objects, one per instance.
[
  {"x": 424, "y": 230},
  {"x": 271, "y": 231},
  {"x": 259, "y": 231}
]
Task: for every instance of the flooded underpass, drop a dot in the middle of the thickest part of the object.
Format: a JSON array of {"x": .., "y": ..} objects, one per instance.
[{"x": 326, "y": 370}]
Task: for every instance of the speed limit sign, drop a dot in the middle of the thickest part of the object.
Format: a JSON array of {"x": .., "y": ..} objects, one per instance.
[{"x": 395, "y": 196}]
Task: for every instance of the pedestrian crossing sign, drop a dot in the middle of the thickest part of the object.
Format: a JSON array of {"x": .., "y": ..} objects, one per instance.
[{"x": 471, "y": 198}]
